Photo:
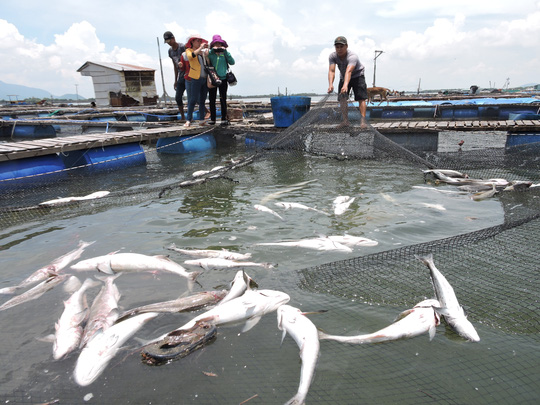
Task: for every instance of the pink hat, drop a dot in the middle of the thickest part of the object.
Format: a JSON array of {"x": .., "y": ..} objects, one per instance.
[
  {"x": 217, "y": 38},
  {"x": 190, "y": 39}
]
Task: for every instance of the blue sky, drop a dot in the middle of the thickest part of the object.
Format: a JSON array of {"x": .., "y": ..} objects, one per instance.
[{"x": 278, "y": 44}]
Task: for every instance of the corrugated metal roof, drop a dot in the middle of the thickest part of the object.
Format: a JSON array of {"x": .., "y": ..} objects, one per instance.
[{"x": 117, "y": 66}]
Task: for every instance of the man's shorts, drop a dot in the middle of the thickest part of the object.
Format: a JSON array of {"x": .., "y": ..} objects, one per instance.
[{"x": 358, "y": 84}]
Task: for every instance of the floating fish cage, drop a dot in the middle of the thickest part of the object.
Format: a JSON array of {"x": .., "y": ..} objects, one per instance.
[
  {"x": 106, "y": 158},
  {"x": 29, "y": 131},
  {"x": 186, "y": 144},
  {"x": 29, "y": 171},
  {"x": 288, "y": 109}
]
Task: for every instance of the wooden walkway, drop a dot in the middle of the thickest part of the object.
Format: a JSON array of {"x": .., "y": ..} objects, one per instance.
[
  {"x": 461, "y": 125},
  {"x": 47, "y": 146}
]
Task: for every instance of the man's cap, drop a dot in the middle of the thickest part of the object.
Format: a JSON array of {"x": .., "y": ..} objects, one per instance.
[
  {"x": 340, "y": 40},
  {"x": 168, "y": 35}
]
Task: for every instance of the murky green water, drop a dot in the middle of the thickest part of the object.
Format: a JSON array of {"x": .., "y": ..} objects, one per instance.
[{"x": 388, "y": 208}]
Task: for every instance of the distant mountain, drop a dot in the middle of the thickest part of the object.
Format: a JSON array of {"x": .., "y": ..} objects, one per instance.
[{"x": 24, "y": 92}]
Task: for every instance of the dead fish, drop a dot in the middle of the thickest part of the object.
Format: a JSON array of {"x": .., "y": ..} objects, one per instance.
[
  {"x": 304, "y": 333},
  {"x": 289, "y": 205},
  {"x": 190, "y": 303},
  {"x": 443, "y": 173},
  {"x": 263, "y": 208},
  {"x": 67, "y": 200},
  {"x": 104, "y": 310},
  {"x": 450, "y": 308},
  {"x": 221, "y": 254},
  {"x": 518, "y": 185},
  {"x": 125, "y": 262},
  {"x": 95, "y": 357},
  {"x": 247, "y": 309},
  {"x": 54, "y": 268},
  {"x": 68, "y": 329},
  {"x": 438, "y": 207},
  {"x": 178, "y": 344},
  {"x": 352, "y": 241},
  {"x": 215, "y": 262},
  {"x": 35, "y": 292},
  {"x": 240, "y": 284},
  {"x": 316, "y": 243},
  {"x": 294, "y": 187},
  {"x": 420, "y": 319},
  {"x": 342, "y": 203},
  {"x": 482, "y": 195}
]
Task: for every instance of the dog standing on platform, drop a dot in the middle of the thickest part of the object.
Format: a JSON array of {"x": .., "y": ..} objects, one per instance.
[{"x": 380, "y": 91}]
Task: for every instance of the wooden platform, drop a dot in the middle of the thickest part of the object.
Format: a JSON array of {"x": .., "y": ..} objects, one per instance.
[{"x": 39, "y": 147}]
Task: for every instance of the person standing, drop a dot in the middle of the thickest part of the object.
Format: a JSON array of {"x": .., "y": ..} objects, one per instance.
[
  {"x": 175, "y": 53},
  {"x": 220, "y": 58},
  {"x": 197, "y": 90},
  {"x": 351, "y": 77}
]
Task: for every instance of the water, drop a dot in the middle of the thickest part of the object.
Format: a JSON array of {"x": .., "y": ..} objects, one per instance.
[{"x": 388, "y": 208}]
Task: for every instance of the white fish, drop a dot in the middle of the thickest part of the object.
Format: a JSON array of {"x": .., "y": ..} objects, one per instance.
[
  {"x": 68, "y": 329},
  {"x": 104, "y": 310},
  {"x": 352, "y": 241},
  {"x": 262, "y": 208},
  {"x": 305, "y": 334},
  {"x": 221, "y": 254},
  {"x": 289, "y": 205},
  {"x": 438, "y": 207},
  {"x": 35, "y": 292},
  {"x": 248, "y": 308},
  {"x": 200, "y": 173},
  {"x": 126, "y": 262},
  {"x": 241, "y": 283},
  {"x": 420, "y": 319},
  {"x": 439, "y": 190},
  {"x": 66, "y": 200},
  {"x": 342, "y": 203},
  {"x": 217, "y": 263},
  {"x": 446, "y": 173},
  {"x": 95, "y": 357},
  {"x": 450, "y": 308},
  {"x": 316, "y": 243},
  {"x": 482, "y": 195},
  {"x": 294, "y": 187},
  {"x": 54, "y": 268}
]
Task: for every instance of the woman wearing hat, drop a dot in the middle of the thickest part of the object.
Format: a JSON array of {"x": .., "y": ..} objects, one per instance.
[
  {"x": 196, "y": 87},
  {"x": 220, "y": 58}
]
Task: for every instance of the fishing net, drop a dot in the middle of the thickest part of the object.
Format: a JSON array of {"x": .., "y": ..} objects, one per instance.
[{"x": 493, "y": 270}]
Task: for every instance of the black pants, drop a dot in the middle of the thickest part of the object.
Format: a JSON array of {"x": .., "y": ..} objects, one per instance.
[
  {"x": 222, "y": 99},
  {"x": 180, "y": 89}
]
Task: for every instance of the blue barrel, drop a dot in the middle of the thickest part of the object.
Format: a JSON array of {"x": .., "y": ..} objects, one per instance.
[
  {"x": 518, "y": 139},
  {"x": 288, "y": 109},
  {"x": 258, "y": 140},
  {"x": 31, "y": 170},
  {"x": 29, "y": 131},
  {"x": 186, "y": 144},
  {"x": 108, "y": 157}
]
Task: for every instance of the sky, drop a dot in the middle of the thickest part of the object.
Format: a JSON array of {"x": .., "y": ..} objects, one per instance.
[{"x": 278, "y": 45}]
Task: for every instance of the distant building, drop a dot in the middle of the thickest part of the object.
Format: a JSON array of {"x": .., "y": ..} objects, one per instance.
[{"x": 121, "y": 85}]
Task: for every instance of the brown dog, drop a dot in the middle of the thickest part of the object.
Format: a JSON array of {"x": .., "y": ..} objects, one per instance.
[{"x": 380, "y": 91}]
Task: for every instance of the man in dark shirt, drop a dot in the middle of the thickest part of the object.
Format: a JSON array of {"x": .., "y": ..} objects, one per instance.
[
  {"x": 351, "y": 77},
  {"x": 175, "y": 53}
]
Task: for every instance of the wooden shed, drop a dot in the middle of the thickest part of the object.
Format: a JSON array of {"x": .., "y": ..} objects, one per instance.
[{"x": 121, "y": 85}]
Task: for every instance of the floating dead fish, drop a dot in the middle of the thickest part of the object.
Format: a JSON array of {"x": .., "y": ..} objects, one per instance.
[
  {"x": 54, "y": 268},
  {"x": 178, "y": 344},
  {"x": 289, "y": 205},
  {"x": 35, "y": 292},
  {"x": 450, "y": 308},
  {"x": 190, "y": 303},
  {"x": 438, "y": 207},
  {"x": 291, "y": 320},
  {"x": 217, "y": 263},
  {"x": 315, "y": 243},
  {"x": 342, "y": 203},
  {"x": 262, "y": 208},
  {"x": 221, "y": 254},
  {"x": 413, "y": 322},
  {"x": 95, "y": 357},
  {"x": 67, "y": 200}
]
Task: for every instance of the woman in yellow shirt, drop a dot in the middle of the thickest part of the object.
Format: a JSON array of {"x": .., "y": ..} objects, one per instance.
[{"x": 197, "y": 90}]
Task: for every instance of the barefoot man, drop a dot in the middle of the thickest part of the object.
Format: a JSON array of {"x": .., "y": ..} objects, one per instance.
[{"x": 351, "y": 77}]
